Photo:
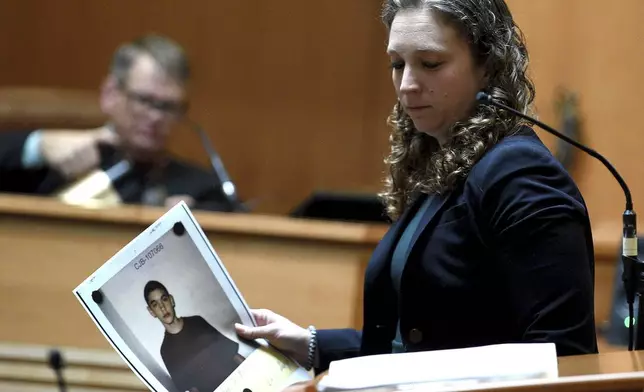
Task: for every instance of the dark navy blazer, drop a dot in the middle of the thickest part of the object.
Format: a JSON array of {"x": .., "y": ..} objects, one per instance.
[{"x": 505, "y": 257}]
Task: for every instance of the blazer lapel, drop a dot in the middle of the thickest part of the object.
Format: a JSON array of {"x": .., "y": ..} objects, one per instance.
[
  {"x": 380, "y": 300},
  {"x": 436, "y": 204},
  {"x": 381, "y": 256}
]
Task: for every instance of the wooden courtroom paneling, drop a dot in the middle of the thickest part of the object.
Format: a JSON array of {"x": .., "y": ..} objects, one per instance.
[
  {"x": 26, "y": 368},
  {"x": 588, "y": 47},
  {"x": 38, "y": 107},
  {"x": 310, "y": 272},
  {"x": 23, "y": 368},
  {"x": 295, "y": 95},
  {"x": 281, "y": 86}
]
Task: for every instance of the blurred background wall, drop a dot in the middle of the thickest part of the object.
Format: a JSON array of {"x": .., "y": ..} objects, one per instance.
[{"x": 295, "y": 94}]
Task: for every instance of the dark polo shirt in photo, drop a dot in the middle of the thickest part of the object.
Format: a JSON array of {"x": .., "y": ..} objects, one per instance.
[{"x": 199, "y": 356}]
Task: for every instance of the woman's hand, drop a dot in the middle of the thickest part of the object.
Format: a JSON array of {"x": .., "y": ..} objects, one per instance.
[{"x": 280, "y": 332}]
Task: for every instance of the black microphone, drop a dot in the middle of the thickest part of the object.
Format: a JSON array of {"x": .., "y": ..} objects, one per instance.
[
  {"x": 227, "y": 187},
  {"x": 57, "y": 364},
  {"x": 632, "y": 266}
]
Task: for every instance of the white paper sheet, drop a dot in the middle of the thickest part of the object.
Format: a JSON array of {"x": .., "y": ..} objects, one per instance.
[
  {"x": 443, "y": 369},
  {"x": 175, "y": 252}
]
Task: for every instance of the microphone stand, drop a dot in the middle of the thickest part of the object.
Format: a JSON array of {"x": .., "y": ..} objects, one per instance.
[
  {"x": 56, "y": 363},
  {"x": 633, "y": 268},
  {"x": 227, "y": 187}
]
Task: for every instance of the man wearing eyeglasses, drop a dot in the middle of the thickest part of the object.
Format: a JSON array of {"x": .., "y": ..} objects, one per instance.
[{"x": 144, "y": 96}]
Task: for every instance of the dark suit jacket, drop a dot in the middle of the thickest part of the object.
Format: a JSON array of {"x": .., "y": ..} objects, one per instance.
[
  {"x": 179, "y": 178},
  {"x": 506, "y": 257}
]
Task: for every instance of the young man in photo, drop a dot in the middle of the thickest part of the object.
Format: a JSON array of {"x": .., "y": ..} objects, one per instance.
[{"x": 197, "y": 356}]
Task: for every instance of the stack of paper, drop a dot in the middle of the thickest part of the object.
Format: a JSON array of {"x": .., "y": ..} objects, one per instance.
[{"x": 444, "y": 369}]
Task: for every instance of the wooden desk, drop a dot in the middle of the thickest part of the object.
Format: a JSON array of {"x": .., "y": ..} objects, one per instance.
[{"x": 308, "y": 271}]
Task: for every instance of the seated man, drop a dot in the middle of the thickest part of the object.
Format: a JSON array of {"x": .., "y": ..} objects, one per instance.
[{"x": 143, "y": 96}]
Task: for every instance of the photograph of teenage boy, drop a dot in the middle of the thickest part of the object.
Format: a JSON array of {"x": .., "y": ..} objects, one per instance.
[{"x": 197, "y": 356}]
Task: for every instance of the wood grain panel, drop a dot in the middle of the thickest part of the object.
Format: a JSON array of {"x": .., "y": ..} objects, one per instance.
[
  {"x": 295, "y": 96},
  {"x": 280, "y": 86},
  {"x": 309, "y": 271},
  {"x": 588, "y": 47}
]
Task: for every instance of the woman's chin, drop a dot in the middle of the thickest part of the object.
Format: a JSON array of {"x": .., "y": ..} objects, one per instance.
[{"x": 440, "y": 135}]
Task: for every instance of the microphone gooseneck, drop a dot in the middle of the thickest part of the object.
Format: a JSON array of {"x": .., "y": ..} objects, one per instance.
[
  {"x": 57, "y": 365},
  {"x": 227, "y": 186},
  {"x": 486, "y": 98},
  {"x": 632, "y": 266}
]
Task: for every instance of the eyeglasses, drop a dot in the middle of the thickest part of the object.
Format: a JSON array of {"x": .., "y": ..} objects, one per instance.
[{"x": 168, "y": 107}]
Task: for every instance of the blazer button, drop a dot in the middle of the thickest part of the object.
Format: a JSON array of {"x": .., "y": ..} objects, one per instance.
[{"x": 415, "y": 336}]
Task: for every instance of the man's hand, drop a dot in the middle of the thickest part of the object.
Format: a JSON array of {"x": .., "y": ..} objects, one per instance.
[{"x": 74, "y": 153}]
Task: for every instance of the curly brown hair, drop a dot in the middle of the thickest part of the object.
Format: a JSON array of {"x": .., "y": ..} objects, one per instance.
[{"x": 416, "y": 162}]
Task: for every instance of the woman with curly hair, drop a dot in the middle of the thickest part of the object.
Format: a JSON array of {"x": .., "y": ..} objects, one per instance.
[{"x": 491, "y": 240}]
